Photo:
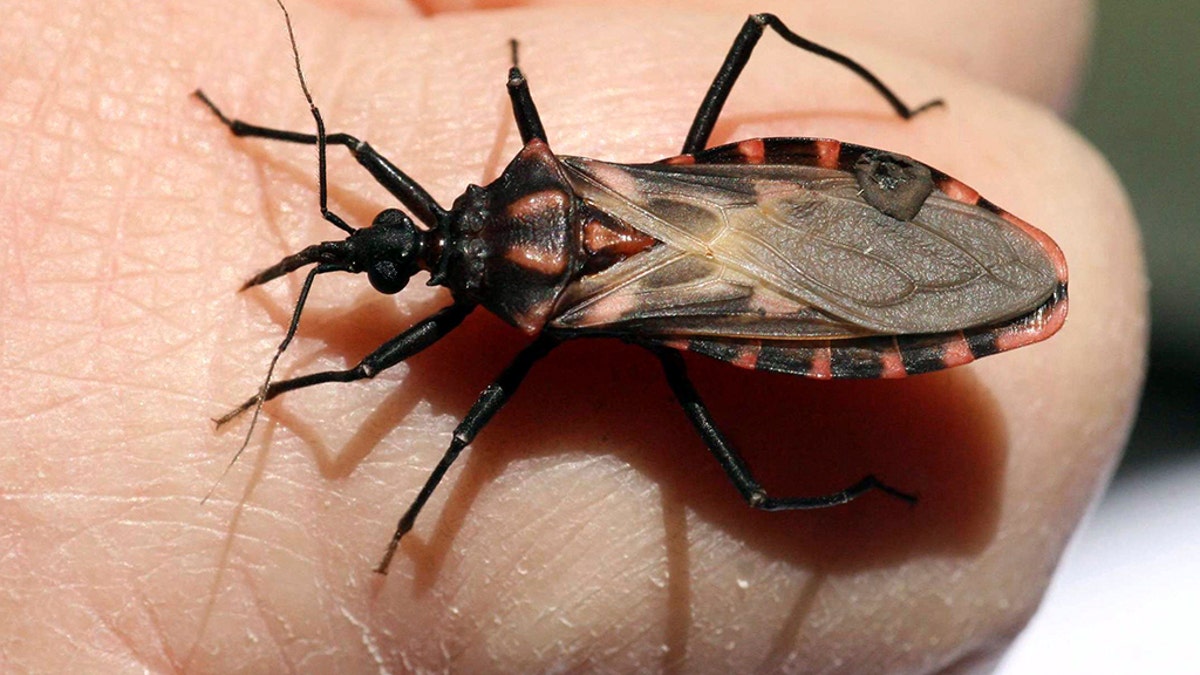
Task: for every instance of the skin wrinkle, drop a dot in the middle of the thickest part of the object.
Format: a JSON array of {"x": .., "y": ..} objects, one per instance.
[
  {"x": 268, "y": 619},
  {"x": 138, "y": 653}
]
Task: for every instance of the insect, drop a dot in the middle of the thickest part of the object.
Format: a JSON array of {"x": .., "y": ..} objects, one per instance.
[{"x": 805, "y": 256}]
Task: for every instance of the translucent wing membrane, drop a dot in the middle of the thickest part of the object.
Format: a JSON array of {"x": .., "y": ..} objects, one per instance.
[
  {"x": 667, "y": 291},
  {"x": 800, "y": 241}
]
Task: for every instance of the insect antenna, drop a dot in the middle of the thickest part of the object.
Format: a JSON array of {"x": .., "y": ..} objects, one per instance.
[
  {"x": 261, "y": 397},
  {"x": 328, "y": 252},
  {"x": 321, "y": 179},
  {"x": 319, "y": 253}
]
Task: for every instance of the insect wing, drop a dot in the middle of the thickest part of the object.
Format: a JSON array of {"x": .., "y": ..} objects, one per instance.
[
  {"x": 805, "y": 233},
  {"x": 783, "y": 265},
  {"x": 671, "y": 291}
]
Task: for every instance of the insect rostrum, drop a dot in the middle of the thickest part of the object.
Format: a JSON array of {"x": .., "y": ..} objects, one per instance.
[{"x": 805, "y": 256}]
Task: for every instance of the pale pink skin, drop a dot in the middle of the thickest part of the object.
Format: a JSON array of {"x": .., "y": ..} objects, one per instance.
[{"x": 588, "y": 527}]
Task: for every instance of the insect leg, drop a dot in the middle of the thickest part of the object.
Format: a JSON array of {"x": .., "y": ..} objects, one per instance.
[
  {"x": 395, "y": 181},
  {"x": 493, "y": 397},
  {"x": 391, "y": 353},
  {"x": 732, "y": 462},
  {"x": 739, "y": 54},
  {"x": 529, "y": 123}
]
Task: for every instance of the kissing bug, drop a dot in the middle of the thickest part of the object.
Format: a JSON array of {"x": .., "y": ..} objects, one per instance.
[{"x": 804, "y": 256}]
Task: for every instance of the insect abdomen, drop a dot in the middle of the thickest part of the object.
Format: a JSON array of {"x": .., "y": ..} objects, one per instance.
[{"x": 885, "y": 356}]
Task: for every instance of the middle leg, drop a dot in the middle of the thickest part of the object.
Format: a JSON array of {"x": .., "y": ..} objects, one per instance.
[
  {"x": 732, "y": 462},
  {"x": 493, "y": 397},
  {"x": 739, "y": 55}
]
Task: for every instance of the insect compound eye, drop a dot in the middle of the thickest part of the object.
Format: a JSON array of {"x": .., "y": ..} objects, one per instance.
[
  {"x": 387, "y": 277},
  {"x": 388, "y": 251},
  {"x": 389, "y": 218}
]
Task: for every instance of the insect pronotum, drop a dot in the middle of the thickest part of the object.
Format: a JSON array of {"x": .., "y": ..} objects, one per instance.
[{"x": 806, "y": 256}]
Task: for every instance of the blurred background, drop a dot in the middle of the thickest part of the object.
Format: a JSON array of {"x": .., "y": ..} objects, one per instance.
[
  {"x": 1141, "y": 106},
  {"x": 1125, "y": 598}
]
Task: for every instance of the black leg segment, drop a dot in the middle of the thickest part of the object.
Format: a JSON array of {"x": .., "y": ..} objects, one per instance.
[
  {"x": 733, "y": 464},
  {"x": 494, "y": 396},
  {"x": 391, "y": 353},
  {"x": 739, "y": 54},
  {"x": 529, "y": 123},
  {"x": 395, "y": 181}
]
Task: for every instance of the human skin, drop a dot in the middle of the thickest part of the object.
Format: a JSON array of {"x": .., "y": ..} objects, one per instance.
[{"x": 587, "y": 527}]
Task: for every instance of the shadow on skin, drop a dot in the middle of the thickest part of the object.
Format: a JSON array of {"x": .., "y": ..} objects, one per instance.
[
  {"x": 349, "y": 336},
  {"x": 939, "y": 436}
]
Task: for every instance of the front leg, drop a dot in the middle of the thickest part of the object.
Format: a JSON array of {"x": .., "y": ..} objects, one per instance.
[
  {"x": 400, "y": 184},
  {"x": 387, "y": 174},
  {"x": 391, "y": 353}
]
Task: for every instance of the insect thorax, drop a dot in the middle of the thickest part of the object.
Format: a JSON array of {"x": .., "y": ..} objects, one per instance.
[
  {"x": 513, "y": 245},
  {"x": 516, "y": 244}
]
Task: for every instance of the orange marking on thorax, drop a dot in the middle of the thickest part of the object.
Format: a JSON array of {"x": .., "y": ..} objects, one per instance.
[
  {"x": 532, "y": 205},
  {"x": 549, "y": 263},
  {"x": 601, "y": 238}
]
